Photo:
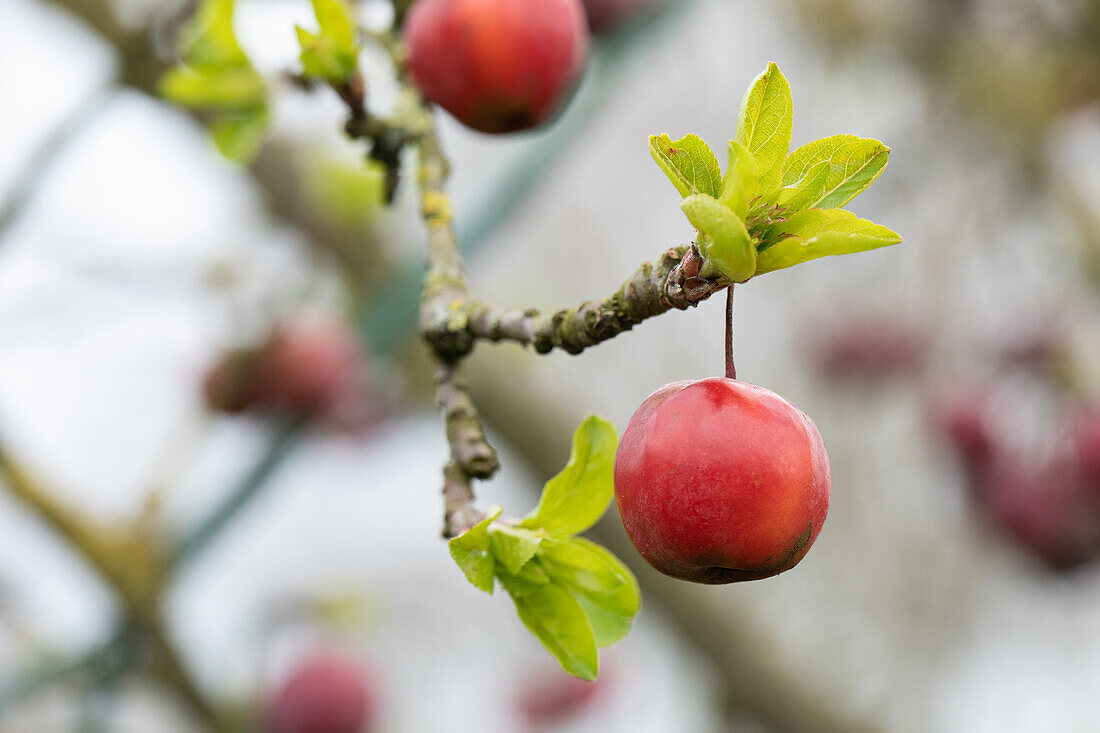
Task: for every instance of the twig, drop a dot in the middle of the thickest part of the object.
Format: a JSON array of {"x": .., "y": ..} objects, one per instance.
[
  {"x": 731, "y": 367},
  {"x": 673, "y": 283},
  {"x": 443, "y": 326},
  {"x": 98, "y": 698}
]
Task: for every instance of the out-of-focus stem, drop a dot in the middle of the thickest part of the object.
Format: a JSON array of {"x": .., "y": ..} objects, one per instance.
[{"x": 250, "y": 486}]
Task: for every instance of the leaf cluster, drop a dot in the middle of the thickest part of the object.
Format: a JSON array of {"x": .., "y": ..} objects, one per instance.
[
  {"x": 572, "y": 594},
  {"x": 332, "y": 53},
  {"x": 215, "y": 76},
  {"x": 774, "y": 208}
]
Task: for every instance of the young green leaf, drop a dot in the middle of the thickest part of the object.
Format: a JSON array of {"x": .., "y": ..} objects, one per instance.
[
  {"x": 208, "y": 41},
  {"x": 818, "y": 233},
  {"x": 332, "y": 54},
  {"x": 577, "y": 497},
  {"x": 513, "y": 547},
  {"x": 470, "y": 551},
  {"x": 689, "y": 163},
  {"x": 726, "y": 242},
  {"x": 337, "y": 22},
  {"x": 232, "y": 89},
  {"x": 217, "y": 76},
  {"x": 600, "y": 581},
  {"x": 239, "y": 137},
  {"x": 804, "y": 193},
  {"x": 346, "y": 192},
  {"x": 765, "y": 123},
  {"x": 556, "y": 619},
  {"x": 530, "y": 579},
  {"x": 855, "y": 163},
  {"x": 608, "y": 627},
  {"x": 741, "y": 183}
]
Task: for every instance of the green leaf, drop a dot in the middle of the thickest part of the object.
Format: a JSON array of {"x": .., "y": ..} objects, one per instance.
[
  {"x": 239, "y": 138},
  {"x": 337, "y": 22},
  {"x": 804, "y": 193},
  {"x": 855, "y": 163},
  {"x": 689, "y": 163},
  {"x": 470, "y": 551},
  {"x": 513, "y": 547},
  {"x": 726, "y": 241},
  {"x": 528, "y": 580},
  {"x": 208, "y": 41},
  {"x": 557, "y": 619},
  {"x": 606, "y": 588},
  {"x": 741, "y": 183},
  {"x": 232, "y": 89},
  {"x": 818, "y": 233},
  {"x": 332, "y": 54},
  {"x": 348, "y": 193},
  {"x": 764, "y": 125},
  {"x": 217, "y": 76},
  {"x": 577, "y": 497},
  {"x": 608, "y": 627}
]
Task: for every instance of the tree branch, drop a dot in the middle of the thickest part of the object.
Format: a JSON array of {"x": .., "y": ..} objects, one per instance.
[
  {"x": 443, "y": 326},
  {"x": 673, "y": 283},
  {"x": 250, "y": 486},
  {"x": 131, "y": 566}
]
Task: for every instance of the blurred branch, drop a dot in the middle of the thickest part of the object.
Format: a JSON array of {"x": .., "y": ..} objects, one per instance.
[
  {"x": 250, "y": 486},
  {"x": 47, "y": 151},
  {"x": 132, "y": 566},
  {"x": 45, "y": 675},
  {"x": 98, "y": 699}
]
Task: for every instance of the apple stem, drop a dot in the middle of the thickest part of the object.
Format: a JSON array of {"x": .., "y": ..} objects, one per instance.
[{"x": 731, "y": 369}]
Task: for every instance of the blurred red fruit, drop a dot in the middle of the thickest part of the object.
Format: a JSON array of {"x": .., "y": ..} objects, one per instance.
[
  {"x": 310, "y": 368},
  {"x": 1047, "y": 510},
  {"x": 555, "y": 697},
  {"x": 861, "y": 348},
  {"x": 606, "y": 15},
  {"x": 964, "y": 421},
  {"x": 1086, "y": 446},
  {"x": 323, "y": 694},
  {"x": 497, "y": 65}
]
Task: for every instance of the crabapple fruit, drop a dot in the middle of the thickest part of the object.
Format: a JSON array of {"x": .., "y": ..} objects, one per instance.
[
  {"x": 551, "y": 699},
  {"x": 306, "y": 367},
  {"x": 323, "y": 694},
  {"x": 497, "y": 65},
  {"x": 1046, "y": 509},
  {"x": 719, "y": 481}
]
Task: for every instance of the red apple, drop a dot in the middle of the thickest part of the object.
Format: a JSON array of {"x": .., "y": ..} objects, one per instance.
[
  {"x": 323, "y": 694},
  {"x": 720, "y": 481},
  {"x": 497, "y": 65}
]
